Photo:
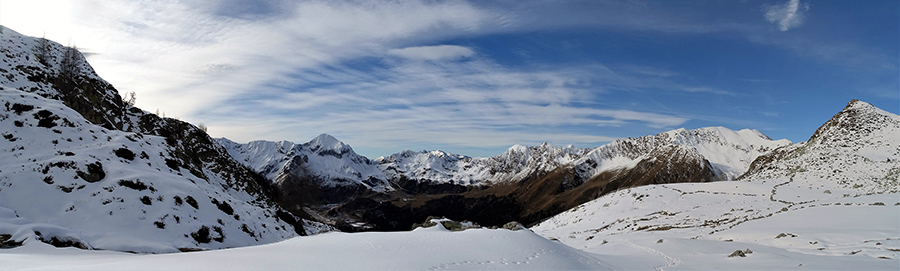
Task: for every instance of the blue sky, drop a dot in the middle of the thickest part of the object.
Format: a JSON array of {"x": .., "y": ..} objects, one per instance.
[{"x": 477, "y": 77}]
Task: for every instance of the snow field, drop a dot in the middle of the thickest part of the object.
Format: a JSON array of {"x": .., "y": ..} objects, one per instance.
[{"x": 432, "y": 248}]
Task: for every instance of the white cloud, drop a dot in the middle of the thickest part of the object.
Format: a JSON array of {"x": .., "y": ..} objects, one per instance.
[
  {"x": 285, "y": 77},
  {"x": 786, "y": 16},
  {"x": 432, "y": 53},
  {"x": 474, "y": 104},
  {"x": 163, "y": 50}
]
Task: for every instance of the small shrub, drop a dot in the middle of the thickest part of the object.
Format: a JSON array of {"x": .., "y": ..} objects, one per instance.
[
  {"x": 95, "y": 173},
  {"x": 201, "y": 235},
  {"x": 19, "y": 108},
  {"x": 125, "y": 154},
  {"x": 45, "y": 119},
  {"x": 247, "y": 230},
  {"x": 223, "y": 206},
  {"x": 136, "y": 185},
  {"x": 191, "y": 201},
  {"x": 221, "y": 236},
  {"x": 173, "y": 164}
]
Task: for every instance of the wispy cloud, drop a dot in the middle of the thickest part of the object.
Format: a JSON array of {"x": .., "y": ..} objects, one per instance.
[
  {"x": 384, "y": 73},
  {"x": 788, "y": 15},
  {"x": 751, "y": 80},
  {"x": 470, "y": 102},
  {"x": 438, "y": 52}
]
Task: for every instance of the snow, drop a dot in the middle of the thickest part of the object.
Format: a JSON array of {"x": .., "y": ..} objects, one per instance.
[
  {"x": 432, "y": 248},
  {"x": 730, "y": 152},
  {"x": 44, "y": 188},
  {"x": 334, "y": 162},
  {"x": 324, "y": 158},
  {"x": 328, "y": 142},
  {"x": 816, "y": 205}
]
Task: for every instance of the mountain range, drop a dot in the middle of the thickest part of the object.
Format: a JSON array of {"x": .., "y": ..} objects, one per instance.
[{"x": 536, "y": 180}]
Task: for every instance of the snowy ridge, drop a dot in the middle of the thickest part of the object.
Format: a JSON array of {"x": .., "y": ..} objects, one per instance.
[
  {"x": 515, "y": 164},
  {"x": 265, "y": 157},
  {"x": 63, "y": 177},
  {"x": 324, "y": 158},
  {"x": 729, "y": 152},
  {"x": 829, "y": 203}
]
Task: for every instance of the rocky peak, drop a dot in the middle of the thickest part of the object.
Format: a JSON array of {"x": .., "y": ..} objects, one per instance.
[
  {"x": 857, "y": 149},
  {"x": 326, "y": 144},
  {"x": 857, "y": 119}
]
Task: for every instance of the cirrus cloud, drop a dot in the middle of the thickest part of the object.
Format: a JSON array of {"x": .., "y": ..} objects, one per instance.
[
  {"x": 432, "y": 53},
  {"x": 788, "y": 15}
]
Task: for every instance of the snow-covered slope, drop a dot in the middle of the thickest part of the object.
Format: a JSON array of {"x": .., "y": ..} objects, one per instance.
[
  {"x": 62, "y": 73},
  {"x": 856, "y": 150},
  {"x": 829, "y": 203},
  {"x": 423, "y": 249},
  {"x": 63, "y": 177},
  {"x": 83, "y": 167}
]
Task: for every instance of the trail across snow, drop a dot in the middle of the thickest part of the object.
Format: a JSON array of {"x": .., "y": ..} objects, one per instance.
[{"x": 670, "y": 262}]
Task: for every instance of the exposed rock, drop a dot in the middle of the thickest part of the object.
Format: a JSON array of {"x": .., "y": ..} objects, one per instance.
[{"x": 514, "y": 226}]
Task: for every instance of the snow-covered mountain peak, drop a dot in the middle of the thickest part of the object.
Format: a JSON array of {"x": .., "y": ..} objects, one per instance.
[
  {"x": 517, "y": 149},
  {"x": 326, "y": 143},
  {"x": 857, "y": 119},
  {"x": 857, "y": 149},
  {"x": 325, "y": 160}
]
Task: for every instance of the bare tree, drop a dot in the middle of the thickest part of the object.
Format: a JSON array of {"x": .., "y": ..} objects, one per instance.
[
  {"x": 70, "y": 67},
  {"x": 129, "y": 98},
  {"x": 42, "y": 51}
]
